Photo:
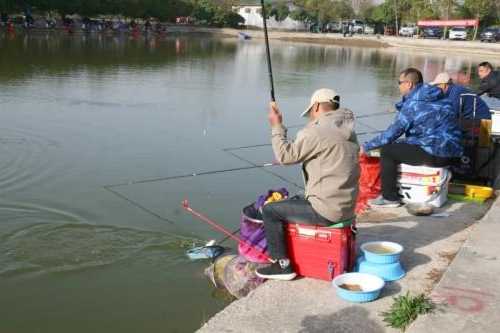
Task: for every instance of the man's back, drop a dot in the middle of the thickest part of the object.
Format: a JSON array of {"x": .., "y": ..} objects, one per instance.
[
  {"x": 328, "y": 149},
  {"x": 454, "y": 95}
]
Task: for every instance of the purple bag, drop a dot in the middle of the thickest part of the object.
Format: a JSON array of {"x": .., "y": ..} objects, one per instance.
[
  {"x": 252, "y": 233},
  {"x": 252, "y": 230}
]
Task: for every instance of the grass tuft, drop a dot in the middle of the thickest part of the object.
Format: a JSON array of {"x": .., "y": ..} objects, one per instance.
[{"x": 406, "y": 309}]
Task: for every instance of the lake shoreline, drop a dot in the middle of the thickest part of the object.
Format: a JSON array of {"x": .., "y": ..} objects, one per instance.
[{"x": 429, "y": 45}]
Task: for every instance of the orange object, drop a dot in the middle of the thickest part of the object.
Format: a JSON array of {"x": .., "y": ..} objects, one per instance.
[{"x": 370, "y": 184}]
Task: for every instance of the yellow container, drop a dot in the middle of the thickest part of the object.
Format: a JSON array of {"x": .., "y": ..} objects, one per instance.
[{"x": 479, "y": 192}]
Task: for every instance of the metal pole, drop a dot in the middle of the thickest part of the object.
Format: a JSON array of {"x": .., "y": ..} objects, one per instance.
[{"x": 268, "y": 52}]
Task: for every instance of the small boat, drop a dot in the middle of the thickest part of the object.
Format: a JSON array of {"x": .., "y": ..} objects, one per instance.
[
  {"x": 244, "y": 36},
  {"x": 205, "y": 252}
]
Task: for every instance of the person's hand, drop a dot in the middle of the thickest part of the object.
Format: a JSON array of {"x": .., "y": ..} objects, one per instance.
[{"x": 275, "y": 117}]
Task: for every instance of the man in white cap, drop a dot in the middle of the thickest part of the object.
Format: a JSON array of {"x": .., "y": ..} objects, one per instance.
[
  {"x": 328, "y": 149},
  {"x": 455, "y": 93}
]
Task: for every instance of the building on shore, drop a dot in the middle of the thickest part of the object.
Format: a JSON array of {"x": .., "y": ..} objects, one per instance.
[
  {"x": 251, "y": 11},
  {"x": 357, "y": 4}
]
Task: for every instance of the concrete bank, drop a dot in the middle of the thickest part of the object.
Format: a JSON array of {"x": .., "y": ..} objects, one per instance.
[
  {"x": 307, "y": 305},
  {"x": 470, "y": 289},
  {"x": 471, "y": 47}
]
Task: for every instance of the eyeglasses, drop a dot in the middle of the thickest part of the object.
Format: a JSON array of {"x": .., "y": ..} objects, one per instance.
[{"x": 401, "y": 82}]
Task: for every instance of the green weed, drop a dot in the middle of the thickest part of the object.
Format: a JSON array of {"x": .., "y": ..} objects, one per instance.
[{"x": 405, "y": 310}]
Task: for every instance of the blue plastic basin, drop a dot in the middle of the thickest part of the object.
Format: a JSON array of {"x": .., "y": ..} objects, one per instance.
[
  {"x": 376, "y": 252},
  {"x": 371, "y": 286},
  {"x": 387, "y": 272}
]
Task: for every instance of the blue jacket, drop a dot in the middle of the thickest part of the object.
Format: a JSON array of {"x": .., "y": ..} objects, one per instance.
[
  {"x": 427, "y": 120},
  {"x": 453, "y": 94}
]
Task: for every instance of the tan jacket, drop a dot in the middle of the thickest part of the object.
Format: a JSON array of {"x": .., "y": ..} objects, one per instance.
[{"x": 328, "y": 150}]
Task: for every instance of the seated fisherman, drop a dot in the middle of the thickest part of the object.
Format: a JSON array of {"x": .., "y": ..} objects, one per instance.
[
  {"x": 432, "y": 134},
  {"x": 328, "y": 149},
  {"x": 490, "y": 85},
  {"x": 458, "y": 94}
]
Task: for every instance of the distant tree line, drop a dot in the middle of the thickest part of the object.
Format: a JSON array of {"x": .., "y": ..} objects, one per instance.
[
  {"x": 220, "y": 12},
  {"x": 390, "y": 11},
  {"x": 487, "y": 11},
  {"x": 211, "y": 12}
]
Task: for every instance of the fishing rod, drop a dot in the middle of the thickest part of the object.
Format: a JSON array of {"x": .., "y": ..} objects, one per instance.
[
  {"x": 230, "y": 149},
  {"x": 229, "y": 234},
  {"x": 268, "y": 51},
  {"x": 153, "y": 180},
  {"x": 356, "y": 117}
]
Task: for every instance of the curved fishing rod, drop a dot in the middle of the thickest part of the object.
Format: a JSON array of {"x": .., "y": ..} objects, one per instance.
[{"x": 268, "y": 51}]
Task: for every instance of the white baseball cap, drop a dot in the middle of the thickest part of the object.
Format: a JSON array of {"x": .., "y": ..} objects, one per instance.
[
  {"x": 441, "y": 78},
  {"x": 321, "y": 96}
]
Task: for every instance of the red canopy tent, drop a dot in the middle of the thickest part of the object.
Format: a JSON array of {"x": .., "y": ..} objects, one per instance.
[{"x": 451, "y": 23}]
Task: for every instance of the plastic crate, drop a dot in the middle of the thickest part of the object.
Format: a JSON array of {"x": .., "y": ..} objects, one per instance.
[{"x": 321, "y": 253}]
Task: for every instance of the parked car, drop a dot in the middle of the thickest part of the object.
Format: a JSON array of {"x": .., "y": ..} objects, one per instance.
[
  {"x": 432, "y": 32},
  {"x": 458, "y": 33},
  {"x": 491, "y": 34},
  {"x": 358, "y": 26},
  {"x": 369, "y": 30},
  {"x": 408, "y": 31},
  {"x": 334, "y": 27}
]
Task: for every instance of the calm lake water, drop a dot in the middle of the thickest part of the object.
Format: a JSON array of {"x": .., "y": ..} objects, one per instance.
[{"x": 79, "y": 113}]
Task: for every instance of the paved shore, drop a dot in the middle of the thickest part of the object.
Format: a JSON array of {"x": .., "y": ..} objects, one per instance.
[
  {"x": 470, "y": 288},
  {"x": 307, "y": 305}
]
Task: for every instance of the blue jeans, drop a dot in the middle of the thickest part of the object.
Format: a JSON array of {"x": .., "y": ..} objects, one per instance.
[{"x": 293, "y": 210}]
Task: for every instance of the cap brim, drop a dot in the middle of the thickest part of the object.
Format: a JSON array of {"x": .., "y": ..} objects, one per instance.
[{"x": 306, "y": 112}]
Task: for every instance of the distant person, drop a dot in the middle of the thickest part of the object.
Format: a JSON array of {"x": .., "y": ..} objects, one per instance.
[
  {"x": 4, "y": 18},
  {"x": 148, "y": 25},
  {"x": 432, "y": 135},
  {"x": 345, "y": 29},
  {"x": 490, "y": 84},
  {"x": 328, "y": 149},
  {"x": 455, "y": 93}
]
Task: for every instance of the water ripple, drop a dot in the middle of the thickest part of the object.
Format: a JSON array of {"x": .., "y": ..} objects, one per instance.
[
  {"x": 25, "y": 158},
  {"x": 49, "y": 248}
]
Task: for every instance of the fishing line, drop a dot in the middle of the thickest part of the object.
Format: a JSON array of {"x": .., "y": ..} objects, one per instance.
[
  {"x": 138, "y": 205},
  {"x": 265, "y": 170},
  {"x": 141, "y": 207}
]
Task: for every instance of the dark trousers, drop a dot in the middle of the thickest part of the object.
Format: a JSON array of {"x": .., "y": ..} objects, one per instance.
[
  {"x": 392, "y": 155},
  {"x": 295, "y": 210}
]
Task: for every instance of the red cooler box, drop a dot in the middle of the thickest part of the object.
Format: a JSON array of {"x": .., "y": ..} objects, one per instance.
[{"x": 321, "y": 253}]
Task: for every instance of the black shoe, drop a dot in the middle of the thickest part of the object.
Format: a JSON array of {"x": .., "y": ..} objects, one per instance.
[{"x": 279, "y": 270}]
